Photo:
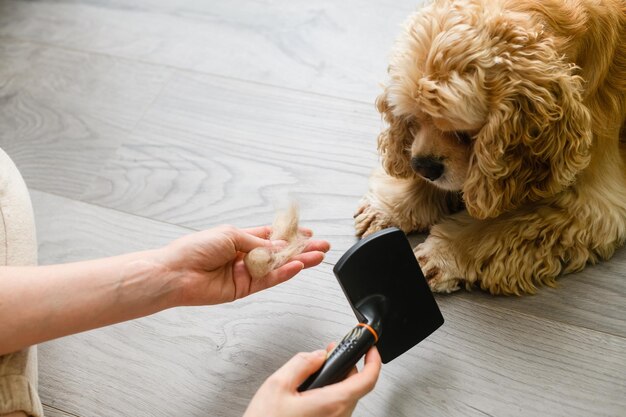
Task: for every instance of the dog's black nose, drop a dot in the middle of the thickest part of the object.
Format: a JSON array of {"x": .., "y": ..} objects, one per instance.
[{"x": 427, "y": 166}]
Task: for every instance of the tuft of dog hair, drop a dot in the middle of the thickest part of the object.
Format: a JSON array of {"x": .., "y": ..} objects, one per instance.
[
  {"x": 504, "y": 124},
  {"x": 261, "y": 261}
]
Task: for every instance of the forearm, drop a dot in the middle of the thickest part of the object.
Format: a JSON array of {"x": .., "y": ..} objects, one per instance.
[{"x": 46, "y": 302}]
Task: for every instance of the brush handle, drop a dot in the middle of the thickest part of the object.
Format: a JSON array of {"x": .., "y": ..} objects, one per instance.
[{"x": 342, "y": 358}]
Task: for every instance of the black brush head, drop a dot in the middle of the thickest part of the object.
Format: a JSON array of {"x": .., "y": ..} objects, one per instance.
[{"x": 383, "y": 264}]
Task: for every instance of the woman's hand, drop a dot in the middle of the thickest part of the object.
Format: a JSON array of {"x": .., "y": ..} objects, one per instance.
[
  {"x": 279, "y": 396},
  {"x": 201, "y": 268},
  {"x": 209, "y": 265}
]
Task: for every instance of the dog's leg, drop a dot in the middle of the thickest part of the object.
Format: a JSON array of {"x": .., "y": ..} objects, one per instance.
[
  {"x": 522, "y": 250},
  {"x": 409, "y": 204}
]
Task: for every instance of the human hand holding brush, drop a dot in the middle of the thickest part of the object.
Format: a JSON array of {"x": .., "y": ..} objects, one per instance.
[{"x": 279, "y": 395}]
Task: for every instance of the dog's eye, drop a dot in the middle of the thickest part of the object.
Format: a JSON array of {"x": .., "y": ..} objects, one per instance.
[
  {"x": 463, "y": 137},
  {"x": 414, "y": 128}
]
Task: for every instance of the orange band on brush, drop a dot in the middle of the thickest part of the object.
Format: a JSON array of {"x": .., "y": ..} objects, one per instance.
[{"x": 372, "y": 331}]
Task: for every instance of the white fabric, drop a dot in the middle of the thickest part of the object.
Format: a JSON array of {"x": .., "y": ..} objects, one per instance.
[{"x": 18, "y": 246}]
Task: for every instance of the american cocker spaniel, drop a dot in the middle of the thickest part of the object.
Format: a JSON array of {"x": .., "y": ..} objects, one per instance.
[{"x": 506, "y": 139}]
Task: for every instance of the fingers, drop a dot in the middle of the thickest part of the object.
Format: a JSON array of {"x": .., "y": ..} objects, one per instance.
[
  {"x": 265, "y": 231},
  {"x": 305, "y": 231},
  {"x": 261, "y": 231},
  {"x": 361, "y": 383},
  {"x": 357, "y": 384},
  {"x": 311, "y": 245},
  {"x": 282, "y": 274},
  {"x": 309, "y": 259},
  {"x": 295, "y": 265},
  {"x": 277, "y": 276},
  {"x": 317, "y": 245},
  {"x": 298, "y": 368},
  {"x": 244, "y": 241},
  {"x": 352, "y": 372},
  {"x": 290, "y": 269}
]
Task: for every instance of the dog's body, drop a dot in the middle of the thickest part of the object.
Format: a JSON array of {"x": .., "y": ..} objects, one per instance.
[{"x": 505, "y": 118}]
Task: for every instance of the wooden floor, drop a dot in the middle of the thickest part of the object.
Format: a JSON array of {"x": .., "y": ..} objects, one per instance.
[{"x": 137, "y": 122}]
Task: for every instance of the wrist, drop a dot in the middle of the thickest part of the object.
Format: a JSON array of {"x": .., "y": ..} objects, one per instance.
[{"x": 160, "y": 281}]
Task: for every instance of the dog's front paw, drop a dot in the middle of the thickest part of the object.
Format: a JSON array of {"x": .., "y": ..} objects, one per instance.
[
  {"x": 438, "y": 265},
  {"x": 369, "y": 219}
]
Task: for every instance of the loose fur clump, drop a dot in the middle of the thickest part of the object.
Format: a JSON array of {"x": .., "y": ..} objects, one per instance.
[{"x": 261, "y": 261}]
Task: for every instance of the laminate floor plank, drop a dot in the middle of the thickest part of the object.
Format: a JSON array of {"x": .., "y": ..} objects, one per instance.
[
  {"x": 64, "y": 113},
  {"x": 485, "y": 360},
  {"x": 212, "y": 150},
  {"x": 330, "y": 47},
  {"x": 55, "y": 412}
]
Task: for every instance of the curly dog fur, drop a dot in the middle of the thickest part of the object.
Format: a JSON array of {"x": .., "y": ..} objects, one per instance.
[{"x": 503, "y": 140}]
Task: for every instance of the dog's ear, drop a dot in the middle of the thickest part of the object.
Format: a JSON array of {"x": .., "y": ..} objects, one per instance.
[
  {"x": 394, "y": 143},
  {"x": 538, "y": 132}
]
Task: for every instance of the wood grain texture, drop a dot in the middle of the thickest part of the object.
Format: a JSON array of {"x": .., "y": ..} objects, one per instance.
[
  {"x": 212, "y": 150},
  {"x": 55, "y": 412},
  {"x": 486, "y": 360},
  {"x": 336, "y": 48},
  {"x": 63, "y": 113}
]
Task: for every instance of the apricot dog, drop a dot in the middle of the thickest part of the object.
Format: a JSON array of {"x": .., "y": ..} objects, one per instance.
[{"x": 503, "y": 140}]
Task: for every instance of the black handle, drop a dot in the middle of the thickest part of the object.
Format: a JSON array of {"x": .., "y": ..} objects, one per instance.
[{"x": 341, "y": 359}]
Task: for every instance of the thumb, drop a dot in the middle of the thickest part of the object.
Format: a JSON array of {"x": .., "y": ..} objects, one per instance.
[
  {"x": 298, "y": 368},
  {"x": 245, "y": 242}
]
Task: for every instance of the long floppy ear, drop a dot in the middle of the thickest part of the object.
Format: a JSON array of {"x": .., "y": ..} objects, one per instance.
[
  {"x": 394, "y": 143},
  {"x": 538, "y": 133}
]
